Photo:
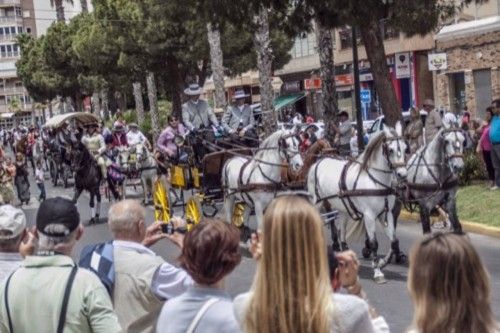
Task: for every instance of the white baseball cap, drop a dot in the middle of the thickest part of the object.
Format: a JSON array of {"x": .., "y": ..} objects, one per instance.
[{"x": 12, "y": 222}]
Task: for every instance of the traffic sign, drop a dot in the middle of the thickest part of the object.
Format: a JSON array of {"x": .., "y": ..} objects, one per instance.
[{"x": 365, "y": 96}]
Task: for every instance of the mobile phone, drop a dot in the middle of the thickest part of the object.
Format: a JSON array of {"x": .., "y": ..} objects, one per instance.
[{"x": 167, "y": 228}]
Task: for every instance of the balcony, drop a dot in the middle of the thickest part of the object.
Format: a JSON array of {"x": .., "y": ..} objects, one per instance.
[
  {"x": 8, "y": 38},
  {"x": 4, "y": 3},
  {"x": 10, "y": 19},
  {"x": 12, "y": 91}
]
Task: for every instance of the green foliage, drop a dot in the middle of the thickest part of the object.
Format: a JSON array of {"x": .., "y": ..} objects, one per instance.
[{"x": 473, "y": 169}]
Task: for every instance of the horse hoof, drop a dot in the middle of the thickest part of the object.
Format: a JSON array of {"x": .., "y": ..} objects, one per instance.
[
  {"x": 344, "y": 246},
  {"x": 401, "y": 258},
  {"x": 366, "y": 253},
  {"x": 380, "y": 280},
  {"x": 91, "y": 221}
]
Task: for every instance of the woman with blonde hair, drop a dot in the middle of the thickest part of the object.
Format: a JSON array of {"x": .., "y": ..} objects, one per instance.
[
  {"x": 291, "y": 290},
  {"x": 449, "y": 286}
]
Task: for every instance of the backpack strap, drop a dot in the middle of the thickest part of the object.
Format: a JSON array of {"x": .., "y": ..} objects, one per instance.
[
  {"x": 200, "y": 314},
  {"x": 6, "y": 300},
  {"x": 67, "y": 291}
]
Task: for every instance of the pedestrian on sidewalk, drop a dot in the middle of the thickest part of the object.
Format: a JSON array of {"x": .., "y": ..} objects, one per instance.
[
  {"x": 495, "y": 142},
  {"x": 40, "y": 179},
  {"x": 48, "y": 293},
  {"x": 484, "y": 146}
]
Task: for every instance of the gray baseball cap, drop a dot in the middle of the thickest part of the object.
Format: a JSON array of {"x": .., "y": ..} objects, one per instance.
[{"x": 12, "y": 222}]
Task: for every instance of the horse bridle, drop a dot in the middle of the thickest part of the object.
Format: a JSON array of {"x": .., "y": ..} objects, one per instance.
[
  {"x": 448, "y": 157},
  {"x": 385, "y": 151}
]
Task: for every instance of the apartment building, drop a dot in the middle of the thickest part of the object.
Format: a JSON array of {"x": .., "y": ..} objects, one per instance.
[
  {"x": 406, "y": 58},
  {"x": 469, "y": 53}
]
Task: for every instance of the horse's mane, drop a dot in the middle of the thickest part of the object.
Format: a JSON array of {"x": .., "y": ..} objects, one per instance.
[
  {"x": 270, "y": 142},
  {"x": 370, "y": 149}
]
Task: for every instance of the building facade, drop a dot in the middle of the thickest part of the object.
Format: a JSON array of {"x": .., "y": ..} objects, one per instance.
[{"x": 471, "y": 48}]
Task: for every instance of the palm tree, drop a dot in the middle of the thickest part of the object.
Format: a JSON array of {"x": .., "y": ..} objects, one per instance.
[
  {"x": 85, "y": 7},
  {"x": 58, "y": 4}
]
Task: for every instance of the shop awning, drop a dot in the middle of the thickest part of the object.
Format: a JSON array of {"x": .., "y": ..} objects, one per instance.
[{"x": 286, "y": 100}]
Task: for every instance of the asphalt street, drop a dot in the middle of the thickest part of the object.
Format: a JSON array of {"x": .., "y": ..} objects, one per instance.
[{"x": 391, "y": 299}]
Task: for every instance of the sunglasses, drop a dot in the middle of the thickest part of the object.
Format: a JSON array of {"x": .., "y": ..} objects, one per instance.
[{"x": 441, "y": 235}]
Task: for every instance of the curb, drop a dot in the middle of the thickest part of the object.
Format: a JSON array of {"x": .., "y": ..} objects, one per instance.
[{"x": 474, "y": 227}]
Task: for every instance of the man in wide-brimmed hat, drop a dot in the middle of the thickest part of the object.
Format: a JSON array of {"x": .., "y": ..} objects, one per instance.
[
  {"x": 94, "y": 142},
  {"x": 238, "y": 118},
  {"x": 136, "y": 137},
  {"x": 433, "y": 121},
  {"x": 196, "y": 113}
]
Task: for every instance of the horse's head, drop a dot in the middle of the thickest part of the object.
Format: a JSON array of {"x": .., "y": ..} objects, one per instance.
[
  {"x": 394, "y": 148},
  {"x": 289, "y": 149},
  {"x": 77, "y": 156},
  {"x": 123, "y": 157},
  {"x": 453, "y": 141},
  {"x": 141, "y": 153}
]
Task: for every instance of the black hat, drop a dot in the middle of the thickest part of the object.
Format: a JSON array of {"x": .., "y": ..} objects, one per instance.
[
  {"x": 57, "y": 217},
  {"x": 344, "y": 114}
]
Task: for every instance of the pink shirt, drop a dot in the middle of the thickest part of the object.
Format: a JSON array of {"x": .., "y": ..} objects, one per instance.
[{"x": 484, "y": 141}]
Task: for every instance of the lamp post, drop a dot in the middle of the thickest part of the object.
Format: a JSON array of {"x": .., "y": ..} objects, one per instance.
[{"x": 355, "y": 66}]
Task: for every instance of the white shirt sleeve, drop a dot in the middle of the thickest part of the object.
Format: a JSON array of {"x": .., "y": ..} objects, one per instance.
[{"x": 170, "y": 281}]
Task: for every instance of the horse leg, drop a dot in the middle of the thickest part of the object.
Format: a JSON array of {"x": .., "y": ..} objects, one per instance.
[
  {"x": 370, "y": 226},
  {"x": 391, "y": 234},
  {"x": 396, "y": 210},
  {"x": 98, "y": 206},
  {"x": 425, "y": 218},
  {"x": 451, "y": 207},
  {"x": 77, "y": 194},
  {"x": 229, "y": 207},
  {"x": 343, "y": 233},
  {"x": 144, "y": 184},
  {"x": 92, "y": 208}
]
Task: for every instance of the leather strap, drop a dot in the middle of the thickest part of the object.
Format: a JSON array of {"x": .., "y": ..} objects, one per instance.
[
  {"x": 64, "y": 308},
  {"x": 200, "y": 314},
  {"x": 6, "y": 300}
]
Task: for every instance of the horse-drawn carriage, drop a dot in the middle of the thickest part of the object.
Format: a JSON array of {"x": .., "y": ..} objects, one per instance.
[
  {"x": 197, "y": 169},
  {"x": 58, "y": 156}
]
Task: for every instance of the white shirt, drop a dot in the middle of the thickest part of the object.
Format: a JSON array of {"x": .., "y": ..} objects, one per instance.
[
  {"x": 135, "y": 138},
  {"x": 168, "y": 281},
  {"x": 39, "y": 176}
]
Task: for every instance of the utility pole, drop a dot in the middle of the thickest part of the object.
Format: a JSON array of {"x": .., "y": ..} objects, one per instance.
[{"x": 355, "y": 66}]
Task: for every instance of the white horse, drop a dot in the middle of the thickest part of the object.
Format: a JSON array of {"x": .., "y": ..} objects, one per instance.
[
  {"x": 148, "y": 169},
  {"x": 362, "y": 189},
  {"x": 433, "y": 176},
  {"x": 256, "y": 180}
]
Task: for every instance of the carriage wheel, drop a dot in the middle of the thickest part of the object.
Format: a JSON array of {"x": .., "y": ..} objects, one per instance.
[
  {"x": 209, "y": 208},
  {"x": 238, "y": 218},
  {"x": 193, "y": 211},
  {"x": 161, "y": 201}
]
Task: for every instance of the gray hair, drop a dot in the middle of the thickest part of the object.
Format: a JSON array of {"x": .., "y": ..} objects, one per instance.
[
  {"x": 124, "y": 215},
  {"x": 11, "y": 244},
  {"x": 49, "y": 243}
]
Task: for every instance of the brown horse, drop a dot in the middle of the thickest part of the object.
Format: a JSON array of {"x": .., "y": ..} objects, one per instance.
[{"x": 317, "y": 150}]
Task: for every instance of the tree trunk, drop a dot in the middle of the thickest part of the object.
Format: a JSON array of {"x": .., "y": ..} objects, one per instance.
[
  {"x": 176, "y": 84},
  {"x": 374, "y": 45},
  {"x": 51, "y": 113},
  {"x": 95, "y": 104},
  {"x": 264, "y": 65},
  {"x": 329, "y": 107},
  {"x": 216, "y": 58},
  {"x": 139, "y": 103},
  {"x": 120, "y": 101},
  {"x": 153, "y": 105},
  {"x": 85, "y": 7},
  {"x": 33, "y": 114},
  {"x": 44, "y": 115},
  {"x": 59, "y": 10},
  {"x": 105, "y": 103}
]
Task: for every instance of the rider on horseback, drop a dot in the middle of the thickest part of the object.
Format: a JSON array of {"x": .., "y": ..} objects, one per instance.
[
  {"x": 63, "y": 140},
  {"x": 135, "y": 137},
  {"x": 119, "y": 136},
  {"x": 94, "y": 142}
]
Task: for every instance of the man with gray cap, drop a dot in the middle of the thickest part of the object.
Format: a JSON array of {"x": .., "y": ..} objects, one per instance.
[
  {"x": 48, "y": 293},
  {"x": 196, "y": 113},
  {"x": 433, "y": 121},
  {"x": 238, "y": 120},
  {"x": 12, "y": 233}
]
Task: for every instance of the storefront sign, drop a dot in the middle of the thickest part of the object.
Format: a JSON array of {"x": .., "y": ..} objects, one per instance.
[
  {"x": 344, "y": 79},
  {"x": 437, "y": 61},
  {"x": 312, "y": 84},
  {"x": 365, "y": 96},
  {"x": 402, "y": 65},
  {"x": 292, "y": 86},
  {"x": 366, "y": 77}
]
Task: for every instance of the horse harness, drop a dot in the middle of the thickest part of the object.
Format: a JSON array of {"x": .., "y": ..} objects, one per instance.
[{"x": 345, "y": 195}]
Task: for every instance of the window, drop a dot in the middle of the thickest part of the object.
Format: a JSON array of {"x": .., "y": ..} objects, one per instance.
[
  {"x": 28, "y": 30},
  {"x": 20, "y": 30},
  {"x": 19, "y": 12},
  {"x": 12, "y": 30},
  {"x": 389, "y": 32},
  {"x": 345, "y": 36},
  {"x": 1, "y": 31},
  {"x": 304, "y": 45}
]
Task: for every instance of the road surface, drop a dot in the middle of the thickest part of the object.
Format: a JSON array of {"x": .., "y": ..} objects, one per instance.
[{"x": 391, "y": 299}]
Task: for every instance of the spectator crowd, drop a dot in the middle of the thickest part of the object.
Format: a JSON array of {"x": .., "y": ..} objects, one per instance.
[{"x": 300, "y": 284}]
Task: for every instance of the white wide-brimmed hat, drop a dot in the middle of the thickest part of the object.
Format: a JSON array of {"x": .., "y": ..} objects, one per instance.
[
  {"x": 240, "y": 94},
  {"x": 193, "y": 89}
]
